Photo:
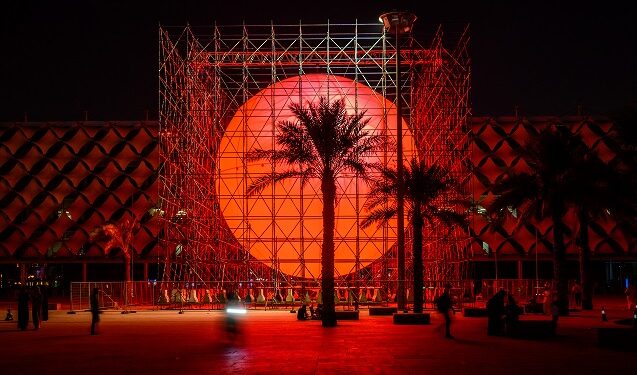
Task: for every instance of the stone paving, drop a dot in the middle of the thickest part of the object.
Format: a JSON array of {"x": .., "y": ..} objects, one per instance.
[{"x": 274, "y": 342}]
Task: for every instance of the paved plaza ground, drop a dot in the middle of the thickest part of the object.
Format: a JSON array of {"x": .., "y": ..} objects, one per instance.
[{"x": 274, "y": 342}]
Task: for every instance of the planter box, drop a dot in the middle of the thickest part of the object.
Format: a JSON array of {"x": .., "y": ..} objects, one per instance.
[
  {"x": 475, "y": 312},
  {"x": 347, "y": 315},
  {"x": 382, "y": 310},
  {"x": 412, "y": 318}
]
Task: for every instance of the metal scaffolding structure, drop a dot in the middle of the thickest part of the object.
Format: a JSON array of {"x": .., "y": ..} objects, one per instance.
[{"x": 222, "y": 92}]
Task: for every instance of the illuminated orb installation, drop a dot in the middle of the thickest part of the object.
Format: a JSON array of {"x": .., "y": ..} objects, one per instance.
[{"x": 282, "y": 226}]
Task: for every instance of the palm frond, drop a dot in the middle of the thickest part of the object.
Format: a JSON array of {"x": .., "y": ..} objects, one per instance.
[
  {"x": 264, "y": 181},
  {"x": 258, "y": 155},
  {"x": 380, "y": 216},
  {"x": 445, "y": 216}
]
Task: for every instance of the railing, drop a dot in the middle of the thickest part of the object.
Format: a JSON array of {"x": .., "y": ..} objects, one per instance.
[{"x": 181, "y": 295}]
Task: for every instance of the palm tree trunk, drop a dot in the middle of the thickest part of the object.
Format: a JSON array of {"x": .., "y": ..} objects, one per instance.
[
  {"x": 585, "y": 263},
  {"x": 126, "y": 280},
  {"x": 328, "y": 189},
  {"x": 417, "y": 224},
  {"x": 127, "y": 269},
  {"x": 559, "y": 256}
]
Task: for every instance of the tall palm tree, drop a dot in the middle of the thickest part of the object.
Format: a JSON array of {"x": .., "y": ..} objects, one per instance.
[
  {"x": 424, "y": 186},
  {"x": 542, "y": 190},
  {"x": 323, "y": 143},
  {"x": 597, "y": 192}
]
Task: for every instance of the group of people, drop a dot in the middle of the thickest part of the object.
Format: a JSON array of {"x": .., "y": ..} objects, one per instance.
[
  {"x": 502, "y": 317},
  {"x": 39, "y": 307},
  {"x": 302, "y": 313}
]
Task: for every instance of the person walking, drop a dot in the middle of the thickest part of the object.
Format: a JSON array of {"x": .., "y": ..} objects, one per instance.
[
  {"x": 95, "y": 310},
  {"x": 45, "y": 303},
  {"x": 443, "y": 304}
]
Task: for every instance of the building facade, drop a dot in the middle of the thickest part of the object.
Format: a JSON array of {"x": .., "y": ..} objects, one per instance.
[{"x": 63, "y": 182}]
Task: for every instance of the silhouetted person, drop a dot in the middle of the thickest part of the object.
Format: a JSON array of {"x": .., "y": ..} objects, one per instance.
[
  {"x": 232, "y": 310},
  {"x": 45, "y": 303},
  {"x": 555, "y": 312},
  {"x": 319, "y": 311},
  {"x": 631, "y": 295},
  {"x": 513, "y": 312},
  {"x": 355, "y": 300},
  {"x": 533, "y": 306},
  {"x": 36, "y": 307},
  {"x": 546, "y": 303},
  {"x": 312, "y": 312},
  {"x": 443, "y": 304},
  {"x": 23, "y": 309},
  {"x": 302, "y": 313},
  {"x": 477, "y": 286},
  {"x": 577, "y": 294},
  {"x": 95, "y": 310},
  {"x": 495, "y": 312},
  {"x": 9, "y": 315}
]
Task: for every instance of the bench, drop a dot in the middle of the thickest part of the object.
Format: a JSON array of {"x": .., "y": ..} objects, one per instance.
[
  {"x": 475, "y": 312},
  {"x": 617, "y": 338},
  {"x": 532, "y": 329},
  {"x": 382, "y": 310},
  {"x": 412, "y": 318},
  {"x": 347, "y": 315}
]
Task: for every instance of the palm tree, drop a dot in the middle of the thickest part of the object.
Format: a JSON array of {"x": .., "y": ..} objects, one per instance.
[
  {"x": 118, "y": 236},
  {"x": 542, "y": 191},
  {"x": 597, "y": 192},
  {"x": 424, "y": 186},
  {"x": 323, "y": 143}
]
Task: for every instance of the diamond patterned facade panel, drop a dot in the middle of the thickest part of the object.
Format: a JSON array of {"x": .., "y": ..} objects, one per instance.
[
  {"x": 494, "y": 145},
  {"x": 59, "y": 181}
]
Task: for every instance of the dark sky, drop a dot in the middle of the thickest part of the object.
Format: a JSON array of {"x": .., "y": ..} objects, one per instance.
[{"x": 60, "y": 58}]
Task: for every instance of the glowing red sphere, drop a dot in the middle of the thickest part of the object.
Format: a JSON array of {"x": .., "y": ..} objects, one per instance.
[{"x": 282, "y": 225}]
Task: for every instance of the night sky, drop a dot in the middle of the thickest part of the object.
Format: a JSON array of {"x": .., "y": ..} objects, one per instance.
[{"x": 61, "y": 58}]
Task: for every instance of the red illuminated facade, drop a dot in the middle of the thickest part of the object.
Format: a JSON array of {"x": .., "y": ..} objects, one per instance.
[
  {"x": 62, "y": 180},
  {"x": 182, "y": 179}
]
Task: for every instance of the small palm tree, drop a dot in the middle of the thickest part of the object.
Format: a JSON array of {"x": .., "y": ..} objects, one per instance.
[
  {"x": 118, "y": 236},
  {"x": 424, "y": 187},
  {"x": 322, "y": 144},
  {"x": 543, "y": 190}
]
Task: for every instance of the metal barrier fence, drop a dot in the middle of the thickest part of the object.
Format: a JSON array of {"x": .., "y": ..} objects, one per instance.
[
  {"x": 112, "y": 295},
  {"x": 180, "y": 295}
]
